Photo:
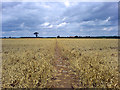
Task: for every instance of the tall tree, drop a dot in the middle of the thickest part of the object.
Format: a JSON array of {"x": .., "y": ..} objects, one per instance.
[{"x": 36, "y": 33}]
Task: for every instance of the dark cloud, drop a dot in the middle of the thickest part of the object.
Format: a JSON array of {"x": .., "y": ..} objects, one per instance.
[
  {"x": 65, "y": 19},
  {"x": 10, "y": 4},
  {"x": 92, "y": 11}
]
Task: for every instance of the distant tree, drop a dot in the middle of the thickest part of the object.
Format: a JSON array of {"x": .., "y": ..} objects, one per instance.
[
  {"x": 87, "y": 36},
  {"x": 76, "y": 36},
  {"x": 58, "y": 36},
  {"x": 36, "y": 33},
  {"x": 80, "y": 36}
]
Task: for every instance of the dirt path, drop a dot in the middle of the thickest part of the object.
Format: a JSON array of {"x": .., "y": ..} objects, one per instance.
[{"x": 63, "y": 78}]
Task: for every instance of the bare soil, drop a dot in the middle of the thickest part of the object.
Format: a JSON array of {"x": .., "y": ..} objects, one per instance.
[{"x": 63, "y": 78}]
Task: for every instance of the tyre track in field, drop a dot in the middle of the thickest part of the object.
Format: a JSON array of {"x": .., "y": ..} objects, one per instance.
[{"x": 63, "y": 79}]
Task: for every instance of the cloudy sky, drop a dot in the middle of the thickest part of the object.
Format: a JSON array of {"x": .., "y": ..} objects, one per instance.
[{"x": 59, "y": 18}]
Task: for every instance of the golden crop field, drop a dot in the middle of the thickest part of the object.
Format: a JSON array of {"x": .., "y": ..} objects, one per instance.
[{"x": 60, "y": 63}]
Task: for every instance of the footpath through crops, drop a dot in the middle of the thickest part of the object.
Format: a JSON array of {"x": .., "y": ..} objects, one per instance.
[{"x": 60, "y": 63}]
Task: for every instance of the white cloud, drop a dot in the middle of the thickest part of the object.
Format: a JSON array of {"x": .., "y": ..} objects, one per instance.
[
  {"x": 62, "y": 24},
  {"x": 64, "y": 19},
  {"x": 88, "y": 23},
  {"x": 108, "y": 29},
  {"x": 104, "y": 29},
  {"x": 69, "y": 4},
  {"x": 45, "y": 24},
  {"x": 108, "y": 19},
  {"x": 13, "y": 31},
  {"x": 66, "y": 3}
]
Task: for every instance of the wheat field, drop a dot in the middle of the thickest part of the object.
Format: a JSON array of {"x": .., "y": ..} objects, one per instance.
[{"x": 30, "y": 63}]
